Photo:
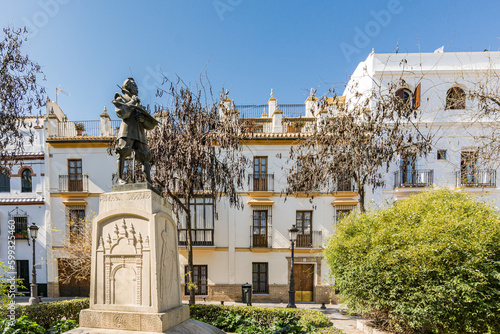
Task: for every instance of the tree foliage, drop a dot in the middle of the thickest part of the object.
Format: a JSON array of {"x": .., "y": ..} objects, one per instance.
[
  {"x": 429, "y": 264},
  {"x": 196, "y": 152},
  {"x": 20, "y": 93},
  {"x": 358, "y": 141}
]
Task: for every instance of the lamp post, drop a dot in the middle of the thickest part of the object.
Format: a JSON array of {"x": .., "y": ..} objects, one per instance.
[
  {"x": 34, "y": 288},
  {"x": 291, "y": 292}
]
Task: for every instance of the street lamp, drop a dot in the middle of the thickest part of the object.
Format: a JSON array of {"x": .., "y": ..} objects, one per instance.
[
  {"x": 291, "y": 292},
  {"x": 34, "y": 299}
]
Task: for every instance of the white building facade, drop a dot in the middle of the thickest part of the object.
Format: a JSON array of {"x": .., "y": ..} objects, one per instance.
[
  {"x": 442, "y": 83},
  {"x": 22, "y": 203},
  {"x": 71, "y": 168}
]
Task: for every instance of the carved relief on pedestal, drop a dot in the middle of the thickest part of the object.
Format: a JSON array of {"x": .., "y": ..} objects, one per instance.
[{"x": 123, "y": 253}]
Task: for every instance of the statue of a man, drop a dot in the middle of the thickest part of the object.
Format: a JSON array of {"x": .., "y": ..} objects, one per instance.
[{"x": 132, "y": 134}]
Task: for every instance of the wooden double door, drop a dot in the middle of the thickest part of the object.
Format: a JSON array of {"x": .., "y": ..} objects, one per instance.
[{"x": 304, "y": 282}]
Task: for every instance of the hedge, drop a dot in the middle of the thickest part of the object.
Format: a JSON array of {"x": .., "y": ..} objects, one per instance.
[
  {"x": 428, "y": 264},
  {"x": 45, "y": 314},
  {"x": 240, "y": 319},
  {"x": 244, "y": 319}
]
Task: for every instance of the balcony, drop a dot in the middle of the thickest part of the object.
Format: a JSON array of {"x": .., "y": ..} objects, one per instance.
[
  {"x": 199, "y": 237},
  {"x": 73, "y": 183},
  {"x": 413, "y": 178},
  {"x": 261, "y": 182},
  {"x": 314, "y": 240},
  {"x": 344, "y": 185},
  {"x": 476, "y": 178},
  {"x": 260, "y": 240}
]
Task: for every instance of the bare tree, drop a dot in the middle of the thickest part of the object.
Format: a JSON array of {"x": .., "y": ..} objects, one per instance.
[
  {"x": 357, "y": 141},
  {"x": 196, "y": 152},
  {"x": 76, "y": 252},
  {"x": 20, "y": 93}
]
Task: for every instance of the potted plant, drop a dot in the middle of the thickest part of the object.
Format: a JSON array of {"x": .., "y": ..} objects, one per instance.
[
  {"x": 21, "y": 235},
  {"x": 79, "y": 128}
]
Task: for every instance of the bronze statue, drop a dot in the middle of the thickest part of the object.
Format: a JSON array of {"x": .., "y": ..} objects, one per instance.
[{"x": 132, "y": 134}]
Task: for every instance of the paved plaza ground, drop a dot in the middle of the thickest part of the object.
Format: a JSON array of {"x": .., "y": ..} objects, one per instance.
[{"x": 333, "y": 311}]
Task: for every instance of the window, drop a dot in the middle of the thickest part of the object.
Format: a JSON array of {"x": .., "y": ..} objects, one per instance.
[
  {"x": 4, "y": 180},
  {"x": 200, "y": 278},
  {"x": 21, "y": 224},
  {"x": 342, "y": 211},
  {"x": 408, "y": 170},
  {"x": 441, "y": 154},
  {"x": 260, "y": 277},
  {"x": 20, "y": 219},
  {"x": 403, "y": 97},
  {"x": 260, "y": 175},
  {"x": 468, "y": 167},
  {"x": 259, "y": 234},
  {"x": 26, "y": 181},
  {"x": 75, "y": 175},
  {"x": 202, "y": 223},
  {"x": 303, "y": 221},
  {"x": 344, "y": 183},
  {"x": 455, "y": 98},
  {"x": 76, "y": 219}
]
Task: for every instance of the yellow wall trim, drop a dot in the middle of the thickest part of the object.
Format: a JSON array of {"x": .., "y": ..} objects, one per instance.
[
  {"x": 75, "y": 194},
  {"x": 77, "y": 144}
]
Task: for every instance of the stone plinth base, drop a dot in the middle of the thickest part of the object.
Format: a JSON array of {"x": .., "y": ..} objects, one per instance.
[
  {"x": 187, "y": 327},
  {"x": 133, "y": 321}
]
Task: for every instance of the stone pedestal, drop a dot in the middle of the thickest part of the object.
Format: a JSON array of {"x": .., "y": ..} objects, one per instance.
[{"x": 135, "y": 279}]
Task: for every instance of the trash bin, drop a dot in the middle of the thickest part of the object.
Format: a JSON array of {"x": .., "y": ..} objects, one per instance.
[{"x": 246, "y": 293}]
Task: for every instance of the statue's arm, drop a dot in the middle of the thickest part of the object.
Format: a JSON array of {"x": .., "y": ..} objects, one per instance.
[{"x": 123, "y": 109}]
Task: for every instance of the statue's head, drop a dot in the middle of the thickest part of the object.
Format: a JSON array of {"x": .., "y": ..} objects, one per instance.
[{"x": 130, "y": 86}]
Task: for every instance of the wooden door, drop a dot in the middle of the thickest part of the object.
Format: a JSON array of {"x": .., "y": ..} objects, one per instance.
[{"x": 304, "y": 282}]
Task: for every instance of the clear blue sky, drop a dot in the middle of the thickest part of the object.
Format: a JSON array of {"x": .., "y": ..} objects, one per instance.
[{"x": 247, "y": 46}]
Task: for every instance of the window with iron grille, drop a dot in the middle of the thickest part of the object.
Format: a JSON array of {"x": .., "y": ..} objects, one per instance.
[
  {"x": 21, "y": 223},
  {"x": 76, "y": 219},
  {"x": 4, "y": 180},
  {"x": 20, "y": 219},
  {"x": 26, "y": 185},
  {"x": 202, "y": 223},
  {"x": 260, "y": 274},
  {"x": 342, "y": 211},
  {"x": 200, "y": 278}
]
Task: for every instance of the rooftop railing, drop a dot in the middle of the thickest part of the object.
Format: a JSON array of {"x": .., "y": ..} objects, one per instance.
[{"x": 256, "y": 110}]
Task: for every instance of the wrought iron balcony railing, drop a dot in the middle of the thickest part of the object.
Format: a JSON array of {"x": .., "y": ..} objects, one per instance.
[
  {"x": 77, "y": 183},
  {"x": 476, "y": 178},
  {"x": 345, "y": 185},
  {"x": 311, "y": 240},
  {"x": 199, "y": 237},
  {"x": 261, "y": 182},
  {"x": 413, "y": 178},
  {"x": 260, "y": 240}
]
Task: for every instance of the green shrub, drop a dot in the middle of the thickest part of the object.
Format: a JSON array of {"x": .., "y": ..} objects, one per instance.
[
  {"x": 20, "y": 326},
  {"x": 243, "y": 319},
  {"x": 46, "y": 314},
  {"x": 62, "y": 326},
  {"x": 428, "y": 264}
]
